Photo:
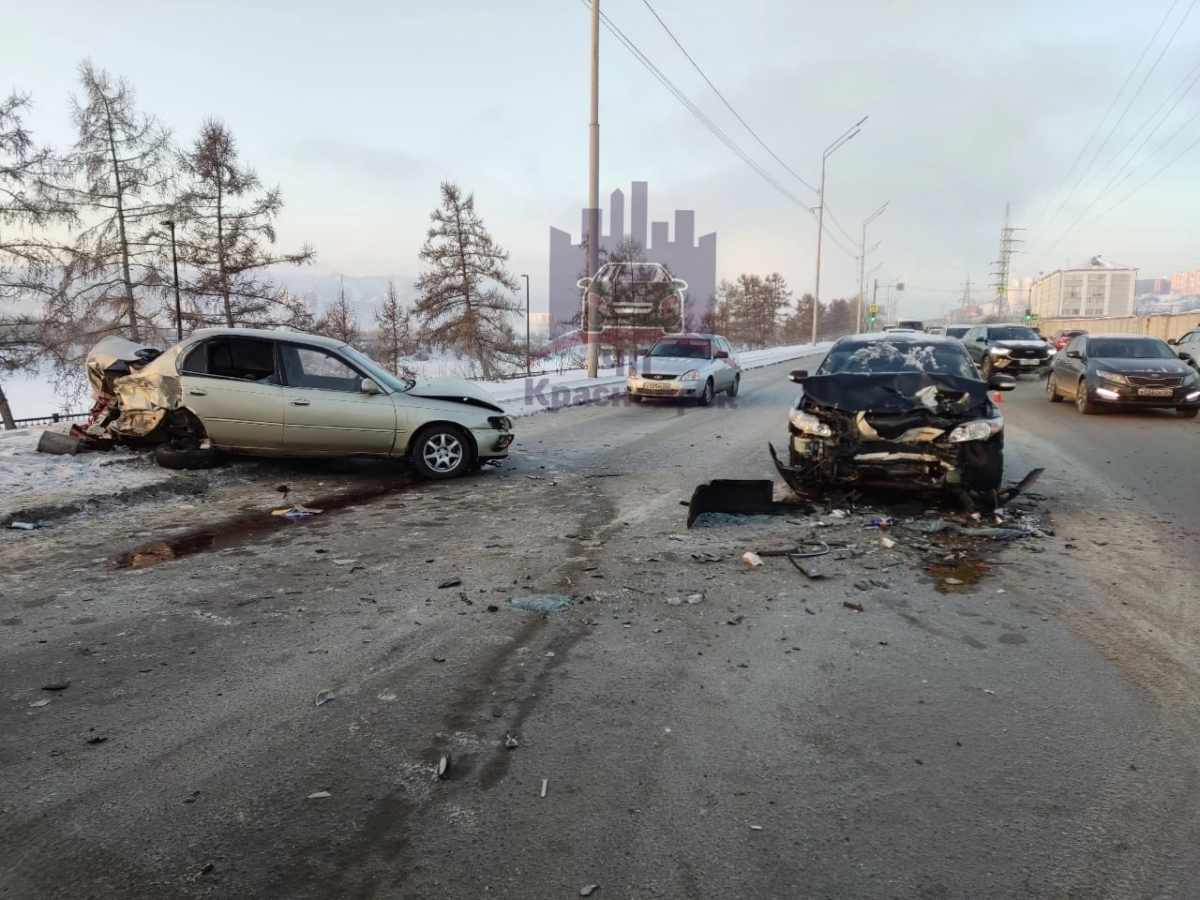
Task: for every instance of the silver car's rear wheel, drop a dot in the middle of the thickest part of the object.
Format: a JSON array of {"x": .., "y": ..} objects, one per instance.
[{"x": 442, "y": 452}]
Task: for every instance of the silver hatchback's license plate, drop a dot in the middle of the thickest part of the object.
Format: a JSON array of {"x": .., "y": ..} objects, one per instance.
[
  {"x": 1155, "y": 392},
  {"x": 658, "y": 386}
]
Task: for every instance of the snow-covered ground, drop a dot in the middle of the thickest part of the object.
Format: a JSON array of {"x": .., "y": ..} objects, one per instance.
[{"x": 29, "y": 479}]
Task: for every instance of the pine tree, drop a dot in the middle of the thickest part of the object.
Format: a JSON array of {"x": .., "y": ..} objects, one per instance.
[
  {"x": 339, "y": 320},
  {"x": 115, "y": 178},
  {"x": 463, "y": 303},
  {"x": 228, "y": 222},
  {"x": 395, "y": 338}
]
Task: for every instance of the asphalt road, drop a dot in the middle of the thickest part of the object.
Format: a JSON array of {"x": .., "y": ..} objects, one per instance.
[{"x": 1032, "y": 735}]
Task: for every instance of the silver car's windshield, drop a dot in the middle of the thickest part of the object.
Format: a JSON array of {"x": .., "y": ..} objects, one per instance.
[
  {"x": 378, "y": 372},
  {"x": 682, "y": 349}
]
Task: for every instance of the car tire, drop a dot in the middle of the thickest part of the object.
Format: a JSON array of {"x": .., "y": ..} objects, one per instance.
[
  {"x": 706, "y": 396},
  {"x": 735, "y": 387},
  {"x": 1186, "y": 413},
  {"x": 170, "y": 457},
  {"x": 1082, "y": 403},
  {"x": 442, "y": 451},
  {"x": 1052, "y": 390}
]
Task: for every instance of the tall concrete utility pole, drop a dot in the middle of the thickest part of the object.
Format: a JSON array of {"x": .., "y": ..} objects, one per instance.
[
  {"x": 593, "y": 352},
  {"x": 862, "y": 264},
  {"x": 1002, "y": 264},
  {"x": 851, "y": 132}
]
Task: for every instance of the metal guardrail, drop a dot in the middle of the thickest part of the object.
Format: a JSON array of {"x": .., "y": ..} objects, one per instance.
[{"x": 52, "y": 419}]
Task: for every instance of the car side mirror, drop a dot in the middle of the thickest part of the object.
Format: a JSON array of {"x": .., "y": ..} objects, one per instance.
[
  {"x": 982, "y": 339},
  {"x": 720, "y": 354},
  {"x": 1000, "y": 382},
  {"x": 1074, "y": 354},
  {"x": 1172, "y": 342},
  {"x": 370, "y": 387},
  {"x": 797, "y": 375},
  {"x": 1187, "y": 356}
]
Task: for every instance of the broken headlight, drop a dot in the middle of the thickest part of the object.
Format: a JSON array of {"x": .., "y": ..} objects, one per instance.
[
  {"x": 973, "y": 431},
  {"x": 806, "y": 423},
  {"x": 1114, "y": 377},
  {"x": 501, "y": 423}
]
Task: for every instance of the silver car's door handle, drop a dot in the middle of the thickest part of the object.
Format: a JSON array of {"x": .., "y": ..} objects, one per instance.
[
  {"x": 300, "y": 403},
  {"x": 196, "y": 392}
]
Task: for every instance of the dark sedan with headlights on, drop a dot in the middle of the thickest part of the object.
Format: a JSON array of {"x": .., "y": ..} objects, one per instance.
[{"x": 1097, "y": 370}]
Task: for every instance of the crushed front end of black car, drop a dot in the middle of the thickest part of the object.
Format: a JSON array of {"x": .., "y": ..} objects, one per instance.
[{"x": 897, "y": 430}]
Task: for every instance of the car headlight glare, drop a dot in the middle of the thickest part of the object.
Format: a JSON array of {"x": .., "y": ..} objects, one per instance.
[
  {"x": 999, "y": 351},
  {"x": 1114, "y": 377},
  {"x": 973, "y": 431},
  {"x": 690, "y": 375},
  {"x": 806, "y": 423}
]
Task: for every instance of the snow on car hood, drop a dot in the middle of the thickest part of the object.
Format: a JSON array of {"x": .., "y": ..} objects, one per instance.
[
  {"x": 1021, "y": 345},
  {"x": 454, "y": 390},
  {"x": 669, "y": 365},
  {"x": 896, "y": 392},
  {"x": 1127, "y": 366}
]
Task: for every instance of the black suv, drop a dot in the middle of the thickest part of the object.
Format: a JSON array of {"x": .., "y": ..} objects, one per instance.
[{"x": 1011, "y": 349}]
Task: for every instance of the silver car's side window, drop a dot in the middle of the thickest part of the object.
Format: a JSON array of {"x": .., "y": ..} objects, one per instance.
[
  {"x": 243, "y": 359},
  {"x": 308, "y": 367}
]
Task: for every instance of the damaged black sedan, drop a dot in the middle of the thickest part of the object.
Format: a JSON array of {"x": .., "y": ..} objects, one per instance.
[{"x": 896, "y": 410}]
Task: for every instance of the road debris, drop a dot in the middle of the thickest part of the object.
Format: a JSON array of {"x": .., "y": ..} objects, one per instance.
[
  {"x": 543, "y": 603},
  {"x": 756, "y": 828},
  {"x": 695, "y": 598},
  {"x": 887, "y": 543},
  {"x": 23, "y": 526},
  {"x": 510, "y": 742},
  {"x": 545, "y": 784},
  {"x": 56, "y": 686},
  {"x": 296, "y": 511},
  {"x": 203, "y": 870},
  {"x": 38, "y": 704},
  {"x": 319, "y": 795},
  {"x": 588, "y": 889},
  {"x": 857, "y": 607},
  {"x": 736, "y": 620},
  {"x": 442, "y": 770},
  {"x": 741, "y": 498},
  {"x": 97, "y": 739},
  {"x": 324, "y": 697},
  {"x": 753, "y": 560},
  {"x": 451, "y": 582},
  {"x": 707, "y": 557}
]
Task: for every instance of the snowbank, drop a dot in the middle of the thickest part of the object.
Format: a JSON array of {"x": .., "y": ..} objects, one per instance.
[{"x": 29, "y": 479}]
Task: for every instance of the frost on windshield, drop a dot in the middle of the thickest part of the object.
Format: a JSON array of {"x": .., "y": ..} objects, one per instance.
[{"x": 888, "y": 356}]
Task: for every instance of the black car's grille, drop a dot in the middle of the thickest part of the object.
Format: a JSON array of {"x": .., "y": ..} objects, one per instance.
[
  {"x": 1020, "y": 353},
  {"x": 1154, "y": 381}
]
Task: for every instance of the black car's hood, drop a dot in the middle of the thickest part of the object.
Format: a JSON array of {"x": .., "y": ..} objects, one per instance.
[
  {"x": 947, "y": 395},
  {"x": 1175, "y": 367}
]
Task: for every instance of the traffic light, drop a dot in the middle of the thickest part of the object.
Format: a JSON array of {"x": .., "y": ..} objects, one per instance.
[
  {"x": 872, "y": 318},
  {"x": 1028, "y": 315}
]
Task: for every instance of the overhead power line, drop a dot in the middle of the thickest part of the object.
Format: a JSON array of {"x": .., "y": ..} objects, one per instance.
[
  {"x": 708, "y": 122},
  {"x": 728, "y": 105}
]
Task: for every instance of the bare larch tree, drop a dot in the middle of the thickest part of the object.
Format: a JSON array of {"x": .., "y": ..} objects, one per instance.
[
  {"x": 466, "y": 301},
  {"x": 227, "y": 219},
  {"x": 339, "y": 320},
  {"x": 116, "y": 177},
  {"x": 395, "y": 326}
]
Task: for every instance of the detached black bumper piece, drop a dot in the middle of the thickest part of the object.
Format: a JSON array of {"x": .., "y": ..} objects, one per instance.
[{"x": 741, "y": 498}]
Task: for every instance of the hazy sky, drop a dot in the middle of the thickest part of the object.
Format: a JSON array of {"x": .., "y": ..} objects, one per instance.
[{"x": 358, "y": 109}]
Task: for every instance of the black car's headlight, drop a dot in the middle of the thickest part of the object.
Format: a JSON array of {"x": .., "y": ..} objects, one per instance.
[
  {"x": 501, "y": 423},
  {"x": 1114, "y": 377}
]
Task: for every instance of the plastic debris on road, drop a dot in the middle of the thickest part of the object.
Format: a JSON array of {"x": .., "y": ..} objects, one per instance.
[
  {"x": 753, "y": 560},
  {"x": 324, "y": 697},
  {"x": 319, "y": 795},
  {"x": 543, "y": 603},
  {"x": 296, "y": 511},
  {"x": 588, "y": 889}
]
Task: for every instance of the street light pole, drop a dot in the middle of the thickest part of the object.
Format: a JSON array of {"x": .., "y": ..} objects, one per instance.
[
  {"x": 175, "y": 265},
  {"x": 862, "y": 264},
  {"x": 850, "y": 133},
  {"x": 527, "y": 350},
  {"x": 593, "y": 353}
]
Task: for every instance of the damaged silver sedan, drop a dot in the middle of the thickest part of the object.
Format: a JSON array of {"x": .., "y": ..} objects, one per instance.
[
  {"x": 274, "y": 393},
  {"x": 896, "y": 410}
]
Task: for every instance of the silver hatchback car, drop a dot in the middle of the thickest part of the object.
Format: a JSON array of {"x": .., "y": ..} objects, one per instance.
[{"x": 686, "y": 367}]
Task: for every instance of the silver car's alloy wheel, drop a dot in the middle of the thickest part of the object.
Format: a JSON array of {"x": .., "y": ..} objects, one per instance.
[{"x": 443, "y": 452}]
